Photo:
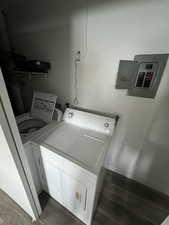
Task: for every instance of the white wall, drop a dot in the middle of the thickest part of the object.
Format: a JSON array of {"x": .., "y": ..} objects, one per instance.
[{"x": 116, "y": 29}]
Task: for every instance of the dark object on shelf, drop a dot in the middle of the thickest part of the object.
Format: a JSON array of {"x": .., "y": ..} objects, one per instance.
[
  {"x": 33, "y": 66},
  {"x": 12, "y": 63}
]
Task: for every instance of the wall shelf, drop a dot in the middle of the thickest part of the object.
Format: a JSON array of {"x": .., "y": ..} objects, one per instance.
[{"x": 31, "y": 75}]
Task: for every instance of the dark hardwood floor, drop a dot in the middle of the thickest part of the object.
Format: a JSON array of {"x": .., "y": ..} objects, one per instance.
[{"x": 122, "y": 202}]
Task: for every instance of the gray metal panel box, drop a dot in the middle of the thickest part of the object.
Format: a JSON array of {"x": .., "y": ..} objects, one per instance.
[
  {"x": 125, "y": 76},
  {"x": 148, "y": 76}
]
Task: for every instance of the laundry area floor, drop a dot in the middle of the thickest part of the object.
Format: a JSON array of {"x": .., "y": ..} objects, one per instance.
[{"x": 122, "y": 202}]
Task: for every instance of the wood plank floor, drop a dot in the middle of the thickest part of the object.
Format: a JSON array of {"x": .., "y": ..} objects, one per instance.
[
  {"x": 122, "y": 202},
  {"x": 11, "y": 213}
]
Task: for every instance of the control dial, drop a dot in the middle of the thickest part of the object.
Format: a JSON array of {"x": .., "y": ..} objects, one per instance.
[
  {"x": 106, "y": 124},
  {"x": 70, "y": 115}
]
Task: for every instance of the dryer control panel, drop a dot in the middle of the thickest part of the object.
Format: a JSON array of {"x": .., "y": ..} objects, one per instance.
[{"x": 89, "y": 120}]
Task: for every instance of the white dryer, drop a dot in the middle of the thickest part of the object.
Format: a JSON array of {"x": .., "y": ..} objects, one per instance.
[
  {"x": 43, "y": 111},
  {"x": 71, "y": 158}
]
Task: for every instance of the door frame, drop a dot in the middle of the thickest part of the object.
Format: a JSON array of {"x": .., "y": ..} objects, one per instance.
[{"x": 17, "y": 149}]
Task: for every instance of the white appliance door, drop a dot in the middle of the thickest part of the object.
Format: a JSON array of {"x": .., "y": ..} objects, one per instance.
[{"x": 10, "y": 180}]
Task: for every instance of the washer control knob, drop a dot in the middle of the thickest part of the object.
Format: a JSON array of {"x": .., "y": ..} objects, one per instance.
[
  {"x": 70, "y": 115},
  {"x": 106, "y": 125}
]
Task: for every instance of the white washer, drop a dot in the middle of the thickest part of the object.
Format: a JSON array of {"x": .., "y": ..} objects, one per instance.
[{"x": 42, "y": 113}]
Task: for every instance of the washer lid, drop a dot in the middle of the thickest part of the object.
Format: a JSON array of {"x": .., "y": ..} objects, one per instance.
[{"x": 43, "y": 105}]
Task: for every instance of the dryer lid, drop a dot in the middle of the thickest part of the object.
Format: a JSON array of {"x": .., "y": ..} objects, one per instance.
[{"x": 43, "y": 105}]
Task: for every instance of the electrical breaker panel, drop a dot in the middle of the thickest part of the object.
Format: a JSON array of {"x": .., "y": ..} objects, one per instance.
[{"x": 143, "y": 75}]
